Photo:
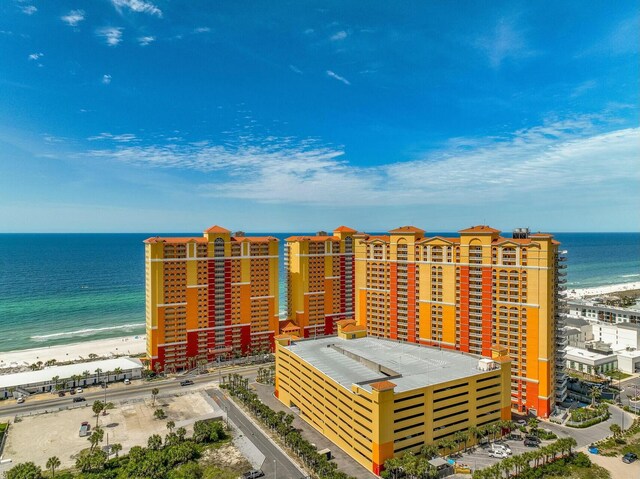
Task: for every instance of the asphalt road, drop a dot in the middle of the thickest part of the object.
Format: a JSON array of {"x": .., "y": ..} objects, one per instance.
[
  {"x": 135, "y": 390},
  {"x": 276, "y": 464}
]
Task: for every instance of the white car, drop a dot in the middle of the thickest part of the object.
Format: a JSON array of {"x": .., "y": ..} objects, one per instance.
[
  {"x": 499, "y": 453},
  {"x": 20, "y": 400},
  {"x": 503, "y": 447},
  {"x": 79, "y": 390},
  {"x": 127, "y": 381}
]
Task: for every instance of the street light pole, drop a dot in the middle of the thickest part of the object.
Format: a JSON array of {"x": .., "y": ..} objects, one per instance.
[{"x": 275, "y": 469}]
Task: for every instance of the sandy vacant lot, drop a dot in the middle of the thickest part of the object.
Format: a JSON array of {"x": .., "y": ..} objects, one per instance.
[{"x": 36, "y": 438}]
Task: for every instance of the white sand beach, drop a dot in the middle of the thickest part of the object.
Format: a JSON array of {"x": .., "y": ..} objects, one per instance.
[
  {"x": 612, "y": 288},
  {"x": 129, "y": 345}
]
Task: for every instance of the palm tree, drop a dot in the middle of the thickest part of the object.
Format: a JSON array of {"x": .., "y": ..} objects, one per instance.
[
  {"x": 171, "y": 426},
  {"x": 154, "y": 393},
  {"x": 506, "y": 465},
  {"x": 116, "y": 448},
  {"x": 53, "y": 463},
  {"x": 55, "y": 380},
  {"x": 98, "y": 371},
  {"x": 97, "y": 408},
  {"x": 615, "y": 429},
  {"x": 86, "y": 375},
  {"x": 595, "y": 394},
  {"x": 117, "y": 372}
]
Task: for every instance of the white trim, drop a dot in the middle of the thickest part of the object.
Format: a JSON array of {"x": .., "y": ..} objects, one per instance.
[
  {"x": 197, "y": 285},
  {"x": 376, "y": 290},
  {"x": 302, "y": 255},
  {"x": 240, "y": 283},
  {"x": 260, "y": 297},
  {"x": 526, "y": 380},
  {"x": 339, "y": 314},
  {"x": 262, "y": 333},
  {"x": 218, "y": 328},
  {"x": 475, "y": 265},
  {"x": 435, "y": 302},
  {"x": 507, "y": 303},
  {"x": 207, "y": 258},
  {"x": 332, "y": 277},
  {"x": 175, "y": 343},
  {"x": 165, "y": 305},
  {"x": 313, "y": 293},
  {"x": 544, "y": 360}
]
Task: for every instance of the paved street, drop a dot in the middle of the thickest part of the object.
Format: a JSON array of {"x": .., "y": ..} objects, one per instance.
[
  {"x": 138, "y": 388},
  {"x": 276, "y": 464}
]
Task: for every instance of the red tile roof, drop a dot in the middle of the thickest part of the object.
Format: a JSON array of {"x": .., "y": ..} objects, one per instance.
[
  {"x": 407, "y": 229},
  {"x": 175, "y": 239},
  {"x": 382, "y": 385},
  {"x": 480, "y": 229},
  {"x": 350, "y": 328},
  {"x": 345, "y": 229},
  {"x": 217, "y": 229}
]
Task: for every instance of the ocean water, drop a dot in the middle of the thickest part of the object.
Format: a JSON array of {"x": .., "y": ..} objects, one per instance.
[{"x": 65, "y": 288}]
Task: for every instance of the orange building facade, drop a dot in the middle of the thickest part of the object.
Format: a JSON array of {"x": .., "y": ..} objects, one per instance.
[
  {"x": 209, "y": 297},
  {"x": 320, "y": 282},
  {"x": 470, "y": 293}
]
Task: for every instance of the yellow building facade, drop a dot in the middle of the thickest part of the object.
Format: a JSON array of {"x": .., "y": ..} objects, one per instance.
[
  {"x": 470, "y": 293},
  {"x": 377, "y": 399},
  {"x": 320, "y": 282},
  {"x": 209, "y": 297}
]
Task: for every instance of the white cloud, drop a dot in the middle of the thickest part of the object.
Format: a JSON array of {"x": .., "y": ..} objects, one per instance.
[
  {"x": 295, "y": 69},
  {"x": 112, "y": 35},
  {"x": 73, "y": 18},
  {"x": 106, "y": 79},
  {"x": 29, "y": 9},
  {"x": 144, "y": 41},
  {"x": 35, "y": 56},
  {"x": 559, "y": 159},
  {"x": 138, "y": 6},
  {"x": 341, "y": 35},
  {"x": 504, "y": 43},
  {"x": 122, "y": 138},
  {"x": 338, "y": 77}
]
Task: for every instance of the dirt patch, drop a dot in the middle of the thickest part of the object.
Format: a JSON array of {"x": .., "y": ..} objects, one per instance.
[
  {"x": 227, "y": 457},
  {"x": 36, "y": 438}
]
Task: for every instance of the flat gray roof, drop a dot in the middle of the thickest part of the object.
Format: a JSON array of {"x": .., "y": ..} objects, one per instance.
[{"x": 417, "y": 366}]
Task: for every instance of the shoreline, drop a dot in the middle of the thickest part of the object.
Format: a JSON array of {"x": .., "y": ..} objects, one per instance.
[
  {"x": 21, "y": 359},
  {"x": 15, "y": 361},
  {"x": 583, "y": 293}
]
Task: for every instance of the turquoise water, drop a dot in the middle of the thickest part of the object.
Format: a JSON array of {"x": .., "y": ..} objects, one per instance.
[{"x": 63, "y": 288}]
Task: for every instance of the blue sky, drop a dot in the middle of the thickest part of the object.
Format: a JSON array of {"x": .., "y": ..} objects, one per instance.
[{"x": 137, "y": 115}]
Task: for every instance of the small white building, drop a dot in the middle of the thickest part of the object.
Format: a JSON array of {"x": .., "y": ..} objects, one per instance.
[
  {"x": 589, "y": 362},
  {"x": 629, "y": 361},
  {"x": 69, "y": 376}
]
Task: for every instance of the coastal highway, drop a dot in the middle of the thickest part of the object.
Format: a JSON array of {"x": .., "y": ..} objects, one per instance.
[
  {"x": 119, "y": 392},
  {"x": 276, "y": 463}
]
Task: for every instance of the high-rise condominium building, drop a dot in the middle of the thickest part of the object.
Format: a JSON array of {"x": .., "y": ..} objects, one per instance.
[
  {"x": 209, "y": 297},
  {"x": 470, "y": 293},
  {"x": 320, "y": 282}
]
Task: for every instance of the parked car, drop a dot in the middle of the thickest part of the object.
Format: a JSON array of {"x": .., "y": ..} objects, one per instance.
[
  {"x": 72, "y": 391},
  {"x": 127, "y": 381},
  {"x": 253, "y": 474},
  {"x": 20, "y": 400},
  {"x": 521, "y": 422},
  {"x": 79, "y": 390},
  {"x": 189, "y": 382},
  {"x": 61, "y": 394},
  {"x": 499, "y": 453},
  {"x": 533, "y": 438},
  {"x": 104, "y": 385},
  {"x": 629, "y": 457},
  {"x": 503, "y": 447},
  {"x": 530, "y": 443},
  {"x": 84, "y": 430},
  {"x": 79, "y": 399}
]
